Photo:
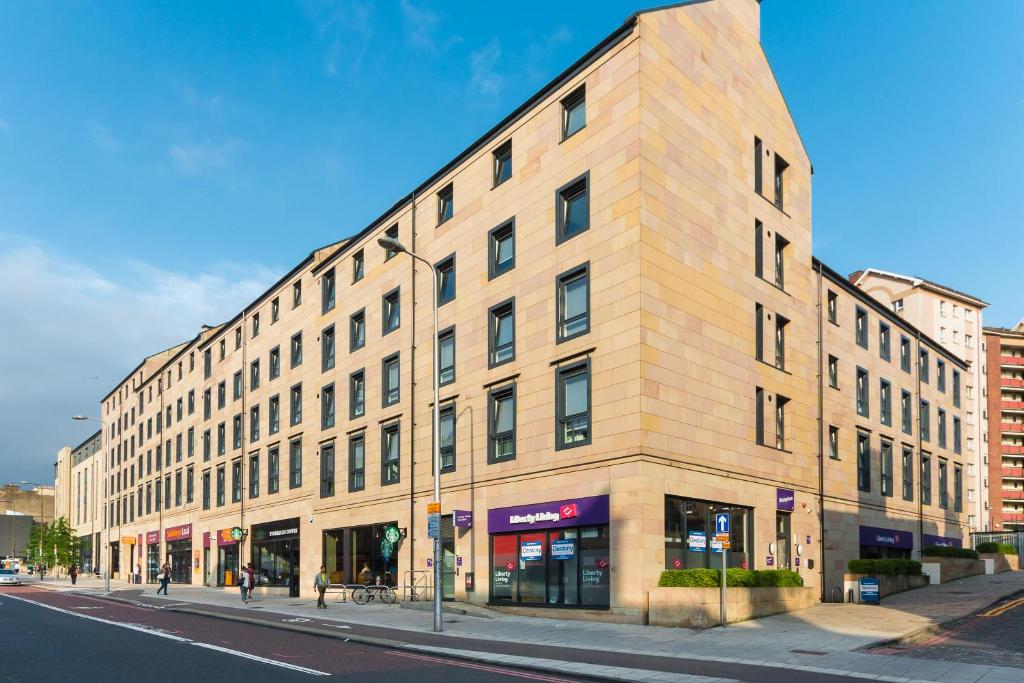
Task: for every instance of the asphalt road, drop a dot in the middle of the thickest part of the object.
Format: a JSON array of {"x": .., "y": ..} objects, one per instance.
[
  {"x": 991, "y": 636},
  {"x": 49, "y": 636}
]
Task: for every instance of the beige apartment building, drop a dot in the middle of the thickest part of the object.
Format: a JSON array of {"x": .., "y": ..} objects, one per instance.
[
  {"x": 1004, "y": 389},
  {"x": 629, "y": 318},
  {"x": 954, "y": 319}
]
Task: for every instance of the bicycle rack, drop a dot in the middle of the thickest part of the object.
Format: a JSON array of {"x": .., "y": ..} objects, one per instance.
[{"x": 417, "y": 585}]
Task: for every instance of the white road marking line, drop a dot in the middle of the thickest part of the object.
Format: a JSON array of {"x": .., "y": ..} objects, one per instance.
[
  {"x": 154, "y": 632},
  {"x": 336, "y": 625},
  {"x": 264, "y": 660}
]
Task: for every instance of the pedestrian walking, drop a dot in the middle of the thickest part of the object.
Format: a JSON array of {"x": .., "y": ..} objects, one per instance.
[
  {"x": 321, "y": 582},
  {"x": 73, "y": 573},
  {"x": 244, "y": 582},
  {"x": 252, "y": 578},
  {"x": 164, "y": 577}
]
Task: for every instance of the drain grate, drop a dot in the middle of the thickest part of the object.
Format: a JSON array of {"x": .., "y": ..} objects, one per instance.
[{"x": 808, "y": 652}]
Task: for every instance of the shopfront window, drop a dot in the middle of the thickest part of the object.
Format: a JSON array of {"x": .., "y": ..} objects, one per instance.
[
  {"x": 275, "y": 554},
  {"x": 179, "y": 554},
  {"x": 690, "y": 526},
  {"x": 361, "y": 555},
  {"x": 227, "y": 565}
]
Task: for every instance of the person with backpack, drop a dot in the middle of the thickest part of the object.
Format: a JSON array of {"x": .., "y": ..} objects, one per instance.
[
  {"x": 164, "y": 577},
  {"x": 244, "y": 583}
]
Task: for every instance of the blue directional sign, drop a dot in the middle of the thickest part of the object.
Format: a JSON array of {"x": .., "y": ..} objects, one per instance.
[{"x": 721, "y": 522}]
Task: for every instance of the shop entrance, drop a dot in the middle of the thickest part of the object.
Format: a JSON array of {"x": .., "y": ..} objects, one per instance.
[
  {"x": 115, "y": 559},
  {"x": 275, "y": 554},
  {"x": 179, "y": 554},
  {"x": 447, "y": 558},
  {"x": 356, "y": 555},
  {"x": 227, "y": 565},
  {"x": 560, "y": 567},
  {"x": 152, "y": 562}
]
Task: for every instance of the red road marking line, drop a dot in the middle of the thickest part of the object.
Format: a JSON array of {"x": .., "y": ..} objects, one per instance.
[{"x": 484, "y": 667}]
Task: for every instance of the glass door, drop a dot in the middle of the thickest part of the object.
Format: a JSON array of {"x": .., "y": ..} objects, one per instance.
[
  {"x": 447, "y": 558},
  {"x": 782, "y": 540}
]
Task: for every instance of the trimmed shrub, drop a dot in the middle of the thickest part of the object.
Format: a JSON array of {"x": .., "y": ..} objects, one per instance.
[
  {"x": 884, "y": 567},
  {"x": 736, "y": 578},
  {"x": 993, "y": 547},
  {"x": 944, "y": 551}
]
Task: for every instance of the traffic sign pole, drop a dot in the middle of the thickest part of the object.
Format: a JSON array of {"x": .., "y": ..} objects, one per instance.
[{"x": 724, "y": 616}]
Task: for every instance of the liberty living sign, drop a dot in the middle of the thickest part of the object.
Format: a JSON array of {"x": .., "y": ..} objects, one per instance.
[{"x": 557, "y": 514}]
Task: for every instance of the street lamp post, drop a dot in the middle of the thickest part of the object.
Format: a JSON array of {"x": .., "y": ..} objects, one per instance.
[
  {"x": 396, "y": 246},
  {"x": 106, "y": 552},
  {"x": 41, "y": 518}
]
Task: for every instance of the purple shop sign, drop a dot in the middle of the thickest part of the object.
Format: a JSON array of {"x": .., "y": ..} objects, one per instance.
[
  {"x": 928, "y": 540},
  {"x": 886, "y": 538},
  {"x": 557, "y": 514},
  {"x": 463, "y": 519},
  {"x": 785, "y": 499}
]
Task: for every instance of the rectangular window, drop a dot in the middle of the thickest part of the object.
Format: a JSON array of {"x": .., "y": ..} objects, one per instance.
[
  {"x": 190, "y": 486},
  {"x": 833, "y": 307},
  {"x": 833, "y": 442},
  {"x": 390, "y": 453},
  {"x": 177, "y": 488},
  {"x": 206, "y": 446},
  {"x": 884, "y": 341},
  {"x": 274, "y": 415},
  {"x": 758, "y": 248},
  {"x": 254, "y": 375},
  {"x": 908, "y": 473},
  {"x": 391, "y": 311},
  {"x": 327, "y": 287},
  {"x": 904, "y": 353},
  {"x": 297, "y": 294},
  {"x": 356, "y": 394},
  {"x": 236, "y": 431},
  {"x": 445, "y": 203},
  {"x": 758, "y": 331},
  {"x": 940, "y": 375},
  {"x": 958, "y": 486},
  {"x": 236, "y": 480},
  {"x": 885, "y": 402},
  {"x": 926, "y": 479},
  {"x": 254, "y": 423},
  {"x": 236, "y": 386},
  {"x": 833, "y": 372},
  {"x": 922, "y": 367},
  {"x": 445, "y": 280},
  {"x": 943, "y": 484},
  {"x": 357, "y": 330},
  {"x": 574, "y": 112},
  {"x": 358, "y": 266},
  {"x": 861, "y": 327},
  {"x": 327, "y": 349},
  {"x": 220, "y": 488},
  {"x": 327, "y": 470},
  {"x": 956, "y": 388},
  {"x": 273, "y": 470},
  {"x": 780, "y": 181},
  {"x": 501, "y": 333},
  {"x": 191, "y": 404},
  {"x": 780, "y": 260},
  {"x": 863, "y": 462},
  {"x": 327, "y": 406},
  {"x": 207, "y": 364},
  {"x": 572, "y": 395},
  {"x": 254, "y": 475},
  {"x": 207, "y": 408},
  {"x": 296, "y": 404},
  {"x": 780, "y": 341},
  {"x": 780, "y": 421},
  {"x": 191, "y": 441},
  {"x": 759, "y": 416},
  {"x": 255, "y": 324},
  {"x": 447, "y": 433},
  {"x": 501, "y": 249},
  {"x": 392, "y": 233},
  {"x": 222, "y": 400},
  {"x": 502, "y": 163},
  {"x": 925, "y": 417},
  {"x": 863, "y": 400},
  {"x": 356, "y": 463},
  {"x": 501, "y": 424},
  {"x": 957, "y": 435},
  {"x": 179, "y": 411},
  {"x": 221, "y": 440},
  {"x": 223, "y": 349},
  {"x": 206, "y": 492},
  {"x": 275, "y": 310},
  {"x": 295, "y": 463},
  {"x": 906, "y": 412},
  {"x": 238, "y": 337},
  {"x": 390, "y": 388},
  {"x": 885, "y": 468},
  {"x": 446, "y": 356},
  {"x": 275, "y": 362},
  {"x": 758, "y": 166},
  {"x": 941, "y": 427},
  {"x": 296, "y": 349},
  {"x": 572, "y": 208},
  {"x": 573, "y": 297}
]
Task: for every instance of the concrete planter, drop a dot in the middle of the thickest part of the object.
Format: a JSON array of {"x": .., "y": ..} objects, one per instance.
[
  {"x": 699, "y": 607},
  {"x": 888, "y": 584},
  {"x": 1003, "y": 563},
  {"x": 946, "y": 569}
]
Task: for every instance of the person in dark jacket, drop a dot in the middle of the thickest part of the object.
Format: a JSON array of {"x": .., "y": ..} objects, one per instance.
[{"x": 165, "y": 578}]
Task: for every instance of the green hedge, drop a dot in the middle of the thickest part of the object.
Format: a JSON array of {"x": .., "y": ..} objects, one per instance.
[
  {"x": 736, "y": 578},
  {"x": 944, "y": 551},
  {"x": 993, "y": 547},
  {"x": 888, "y": 567}
]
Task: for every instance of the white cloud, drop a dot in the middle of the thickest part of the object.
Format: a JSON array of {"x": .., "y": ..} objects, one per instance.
[
  {"x": 199, "y": 157},
  {"x": 421, "y": 28},
  {"x": 346, "y": 27},
  {"x": 484, "y": 80},
  {"x": 67, "y": 324}
]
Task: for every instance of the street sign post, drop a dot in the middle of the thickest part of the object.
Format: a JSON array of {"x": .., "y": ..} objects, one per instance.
[{"x": 722, "y": 540}]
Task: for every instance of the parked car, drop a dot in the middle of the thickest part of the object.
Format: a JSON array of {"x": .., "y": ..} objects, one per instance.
[{"x": 9, "y": 577}]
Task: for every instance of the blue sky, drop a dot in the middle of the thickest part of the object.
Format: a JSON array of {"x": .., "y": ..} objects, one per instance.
[{"x": 161, "y": 163}]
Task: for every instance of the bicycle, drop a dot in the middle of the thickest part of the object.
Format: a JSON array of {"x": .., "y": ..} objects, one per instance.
[{"x": 361, "y": 595}]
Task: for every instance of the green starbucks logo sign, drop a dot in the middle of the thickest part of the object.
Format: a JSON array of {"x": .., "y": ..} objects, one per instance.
[{"x": 392, "y": 534}]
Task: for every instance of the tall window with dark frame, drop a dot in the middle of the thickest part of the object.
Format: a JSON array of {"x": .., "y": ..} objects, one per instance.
[
  {"x": 295, "y": 463},
  {"x": 863, "y": 401},
  {"x": 926, "y": 479},
  {"x": 254, "y": 475},
  {"x": 780, "y": 181},
  {"x": 236, "y": 480},
  {"x": 943, "y": 484},
  {"x": 758, "y": 166},
  {"x": 446, "y": 356},
  {"x": 758, "y": 248},
  {"x": 501, "y": 424},
  {"x": 254, "y": 423},
  {"x": 861, "y": 327},
  {"x": 922, "y": 365},
  {"x": 833, "y": 372},
  {"x": 446, "y": 430},
  {"x": 885, "y": 468},
  {"x": 254, "y": 376},
  {"x": 220, "y": 489},
  {"x": 884, "y": 341},
  {"x": 445, "y": 280},
  {"x": 206, "y": 492},
  {"x": 573, "y": 297},
  {"x": 356, "y": 462},
  {"x": 275, "y": 310},
  {"x": 255, "y": 324},
  {"x": 863, "y": 462},
  {"x": 501, "y": 340},
  {"x": 780, "y": 260},
  {"x": 296, "y": 293},
  {"x": 274, "y": 415},
  {"x": 833, "y": 307},
  {"x": 238, "y": 337},
  {"x": 357, "y": 394},
  {"x": 327, "y": 470},
  {"x": 908, "y": 473},
  {"x": 327, "y": 406},
  {"x": 190, "y": 487},
  {"x": 940, "y": 375},
  {"x": 391, "y": 233},
  {"x": 759, "y": 416},
  {"x": 221, "y": 441},
  {"x": 501, "y": 249},
  {"x": 236, "y": 431},
  {"x": 391, "y": 311},
  {"x": 780, "y": 341},
  {"x": 833, "y": 442},
  {"x": 327, "y": 349},
  {"x": 390, "y": 453},
  {"x": 574, "y": 112},
  {"x": 572, "y": 209},
  {"x": 759, "y": 316},
  {"x": 958, "y": 488},
  {"x": 357, "y": 330},
  {"x": 502, "y": 156},
  {"x": 906, "y": 412},
  {"x": 885, "y": 402},
  {"x": 445, "y": 203},
  {"x": 296, "y": 346},
  {"x": 295, "y": 405},
  {"x": 275, "y": 362},
  {"x": 780, "y": 421},
  {"x": 273, "y": 470},
  {"x": 925, "y": 417},
  {"x": 940, "y": 426},
  {"x": 358, "y": 266},
  {"x": 207, "y": 449},
  {"x": 328, "y": 288},
  {"x": 390, "y": 387},
  {"x": 957, "y": 435},
  {"x": 572, "y": 398},
  {"x": 956, "y": 388},
  {"x": 904, "y": 353}
]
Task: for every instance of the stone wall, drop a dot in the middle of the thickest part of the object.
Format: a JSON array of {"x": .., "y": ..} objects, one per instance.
[
  {"x": 700, "y": 607},
  {"x": 951, "y": 568}
]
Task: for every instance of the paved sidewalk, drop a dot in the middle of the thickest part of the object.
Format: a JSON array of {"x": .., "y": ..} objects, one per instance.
[{"x": 823, "y": 638}]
